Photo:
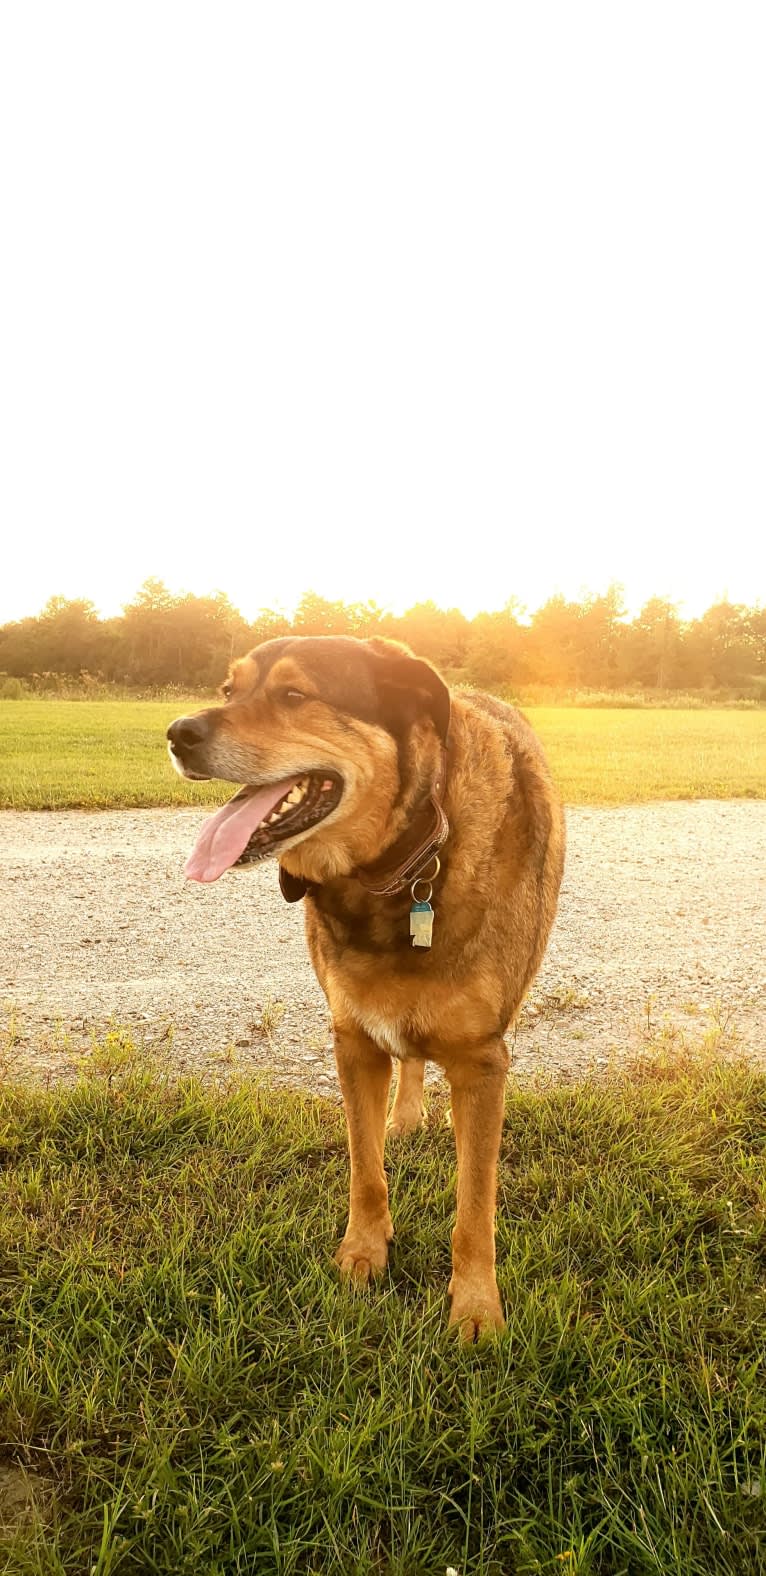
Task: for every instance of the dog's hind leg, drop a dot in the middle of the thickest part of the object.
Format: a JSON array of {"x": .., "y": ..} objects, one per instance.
[
  {"x": 364, "y": 1072},
  {"x": 477, "y": 1084},
  {"x": 407, "y": 1112}
]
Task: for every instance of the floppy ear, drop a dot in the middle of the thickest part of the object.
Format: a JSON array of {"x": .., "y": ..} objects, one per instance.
[{"x": 408, "y": 687}]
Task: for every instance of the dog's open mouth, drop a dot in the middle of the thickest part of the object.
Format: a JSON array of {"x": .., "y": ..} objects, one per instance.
[{"x": 253, "y": 824}]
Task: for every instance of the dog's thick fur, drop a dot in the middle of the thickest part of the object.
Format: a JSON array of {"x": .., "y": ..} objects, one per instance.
[{"x": 378, "y": 716}]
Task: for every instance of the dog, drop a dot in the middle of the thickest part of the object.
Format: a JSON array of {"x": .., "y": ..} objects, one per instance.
[{"x": 422, "y": 830}]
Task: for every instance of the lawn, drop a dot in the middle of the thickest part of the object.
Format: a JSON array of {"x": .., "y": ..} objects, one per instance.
[
  {"x": 110, "y": 754},
  {"x": 193, "y": 1392}
]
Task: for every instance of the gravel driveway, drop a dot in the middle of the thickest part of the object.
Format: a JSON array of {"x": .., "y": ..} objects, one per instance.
[{"x": 663, "y": 913}]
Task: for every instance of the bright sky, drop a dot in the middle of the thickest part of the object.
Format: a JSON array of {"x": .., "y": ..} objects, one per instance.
[{"x": 402, "y": 301}]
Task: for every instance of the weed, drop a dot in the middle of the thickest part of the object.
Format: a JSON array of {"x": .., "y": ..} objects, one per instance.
[
  {"x": 555, "y": 1002},
  {"x": 272, "y": 1013}
]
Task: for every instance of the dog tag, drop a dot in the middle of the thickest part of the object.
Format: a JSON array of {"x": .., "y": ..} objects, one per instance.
[{"x": 421, "y": 924}]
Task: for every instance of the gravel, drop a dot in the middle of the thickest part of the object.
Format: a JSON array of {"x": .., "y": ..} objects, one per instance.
[{"x": 662, "y": 919}]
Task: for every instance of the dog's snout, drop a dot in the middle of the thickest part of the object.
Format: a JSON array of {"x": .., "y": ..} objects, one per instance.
[{"x": 188, "y": 731}]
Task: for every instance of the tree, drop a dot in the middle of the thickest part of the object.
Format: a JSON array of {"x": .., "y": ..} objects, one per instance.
[
  {"x": 438, "y": 635},
  {"x": 723, "y": 647},
  {"x": 186, "y": 640},
  {"x": 148, "y": 650},
  {"x": 268, "y": 625},
  {"x": 314, "y": 615},
  {"x": 69, "y": 637},
  {"x": 497, "y": 648},
  {"x": 599, "y": 634},
  {"x": 554, "y": 642},
  {"x": 208, "y": 632},
  {"x": 19, "y": 646},
  {"x": 654, "y": 645}
]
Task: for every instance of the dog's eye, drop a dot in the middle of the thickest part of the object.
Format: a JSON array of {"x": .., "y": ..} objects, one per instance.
[{"x": 227, "y": 690}]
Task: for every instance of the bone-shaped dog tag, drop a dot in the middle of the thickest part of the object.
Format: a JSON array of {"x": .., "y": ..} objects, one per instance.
[{"x": 421, "y": 924}]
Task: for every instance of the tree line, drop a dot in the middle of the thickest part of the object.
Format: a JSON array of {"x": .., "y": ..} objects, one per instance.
[{"x": 162, "y": 639}]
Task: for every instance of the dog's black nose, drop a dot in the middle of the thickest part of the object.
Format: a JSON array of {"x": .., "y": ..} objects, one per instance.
[{"x": 187, "y": 731}]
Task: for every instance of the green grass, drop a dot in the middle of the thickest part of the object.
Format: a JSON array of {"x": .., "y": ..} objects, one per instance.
[
  {"x": 619, "y": 757},
  {"x": 196, "y": 1393},
  {"x": 111, "y": 754},
  {"x": 57, "y": 755}
]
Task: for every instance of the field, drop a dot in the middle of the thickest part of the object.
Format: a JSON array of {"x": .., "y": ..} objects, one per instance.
[
  {"x": 111, "y": 754},
  {"x": 191, "y": 1390}
]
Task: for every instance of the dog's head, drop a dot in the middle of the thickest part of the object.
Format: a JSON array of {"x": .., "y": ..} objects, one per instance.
[{"x": 331, "y": 738}]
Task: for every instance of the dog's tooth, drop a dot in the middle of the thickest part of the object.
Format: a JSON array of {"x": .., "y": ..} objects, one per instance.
[
  {"x": 295, "y": 795},
  {"x": 273, "y": 818}
]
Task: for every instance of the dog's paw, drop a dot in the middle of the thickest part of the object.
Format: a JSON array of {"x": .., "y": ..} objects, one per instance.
[
  {"x": 476, "y": 1310},
  {"x": 360, "y": 1257},
  {"x": 405, "y": 1121}
]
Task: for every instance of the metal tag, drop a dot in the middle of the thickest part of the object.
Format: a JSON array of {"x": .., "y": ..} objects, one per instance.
[{"x": 421, "y": 924}]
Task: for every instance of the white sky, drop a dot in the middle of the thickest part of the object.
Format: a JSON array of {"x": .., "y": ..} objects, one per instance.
[{"x": 392, "y": 301}]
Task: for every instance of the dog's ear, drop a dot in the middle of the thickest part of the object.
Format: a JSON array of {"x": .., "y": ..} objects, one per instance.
[{"x": 408, "y": 687}]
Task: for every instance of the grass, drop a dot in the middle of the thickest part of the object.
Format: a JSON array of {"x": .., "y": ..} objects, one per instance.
[
  {"x": 619, "y": 757},
  {"x": 57, "y": 755},
  {"x": 192, "y": 1391},
  {"x": 111, "y": 755}
]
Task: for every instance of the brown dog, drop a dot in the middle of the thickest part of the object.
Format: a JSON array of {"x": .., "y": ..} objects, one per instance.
[{"x": 377, "y": 789}]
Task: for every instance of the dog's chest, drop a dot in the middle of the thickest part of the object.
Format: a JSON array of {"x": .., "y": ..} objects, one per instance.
[
  {"x": 389, "y": 1017},
  {"x": 389, "y": 1034}
]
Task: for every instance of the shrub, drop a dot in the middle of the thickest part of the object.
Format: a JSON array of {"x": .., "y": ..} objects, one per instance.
[{"x": 11, "y": 689}]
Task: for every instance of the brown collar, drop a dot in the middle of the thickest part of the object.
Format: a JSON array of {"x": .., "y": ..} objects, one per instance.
[{"x": 401, "y": 864}]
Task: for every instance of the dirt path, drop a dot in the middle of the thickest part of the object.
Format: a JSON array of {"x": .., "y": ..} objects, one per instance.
[{"x": 663, "y": 912}]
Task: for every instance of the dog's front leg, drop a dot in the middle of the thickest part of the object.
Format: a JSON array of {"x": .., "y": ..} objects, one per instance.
[
  {"x": 365, "y": 1076},
  {"x": 477, "y": 1084}
]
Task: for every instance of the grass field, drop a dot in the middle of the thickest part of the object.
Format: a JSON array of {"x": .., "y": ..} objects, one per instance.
[
  {"x": 192, "y": 1391},
  {"x": 108, "y": 754}
]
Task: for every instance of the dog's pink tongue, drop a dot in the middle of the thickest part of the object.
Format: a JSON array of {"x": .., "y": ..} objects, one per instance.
[{"x": 226, "y": 834}]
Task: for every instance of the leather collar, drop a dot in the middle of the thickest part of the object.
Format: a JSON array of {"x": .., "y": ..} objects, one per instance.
[{"x": 409, "y": 856}]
